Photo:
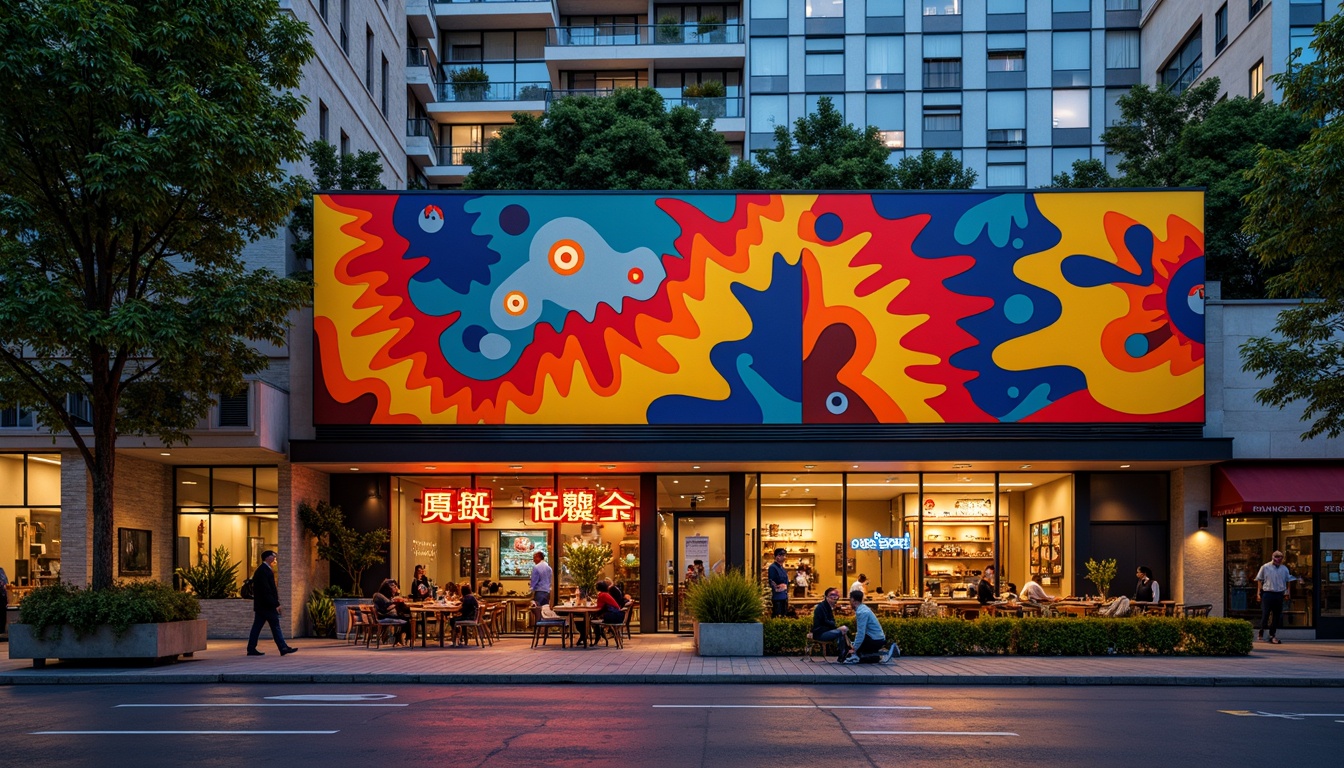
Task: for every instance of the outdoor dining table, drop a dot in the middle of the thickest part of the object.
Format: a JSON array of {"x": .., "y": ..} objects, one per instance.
[
  {"x": 587, "y": 612},
  {"x": 420, "y": 613},
  {"x": 1076, "y": 607}
]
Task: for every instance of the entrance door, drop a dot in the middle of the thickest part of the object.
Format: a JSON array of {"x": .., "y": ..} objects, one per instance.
[
  {"x": 692, "y": 536},
  {"x": 1331, "y": 575}
]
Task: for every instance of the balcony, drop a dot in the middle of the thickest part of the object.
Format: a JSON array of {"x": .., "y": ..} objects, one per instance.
[
  {"x": 625, "y": 46},
  {"x": 495, "y": 14},
  {"x": 420, "y": 141},
  {"x": 942, "y": 74},
  {"x": 728, "y": 112},
  {"x": 420, "y": 74},
  {"x": 420, "y": 17},
  {"x": 449, "y": 163},
  {"x": 488, "y": 102}
]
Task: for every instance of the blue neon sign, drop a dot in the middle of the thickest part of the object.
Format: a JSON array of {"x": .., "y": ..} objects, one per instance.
[{"x": 881, "y": 543}]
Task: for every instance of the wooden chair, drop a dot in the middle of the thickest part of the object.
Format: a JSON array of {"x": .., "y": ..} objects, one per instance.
[
  {"x": 488, "y": 622},
  {"x": 361, "y": 625},
  {"x": 473, "y": 627},
  {"x": 354, "y": 625},
  {"x": 910, "y": 610},
  {"x": 667, "y": 613},
  {"x": 968, "y": 614},
  {"x": 541, "y": 628},
  {"x": 381, "y": 625},
  {"x": 813, "y": 645},
  {"x": 1198, "y": 611},
  {"x": 613, "y": 630},
  {"x": 630, "y": 609}
]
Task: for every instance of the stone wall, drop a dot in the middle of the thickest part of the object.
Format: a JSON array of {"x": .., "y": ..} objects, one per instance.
[
  {"x": 300, "y": 570},
  {"x": 229, "y": 619},
  {"x": 142, "y": 498}
]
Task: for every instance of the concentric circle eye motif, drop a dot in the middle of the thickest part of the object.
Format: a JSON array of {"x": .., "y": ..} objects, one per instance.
[
  {"x": 837, "y": 403},
  {"x": 515, "y": 303},
  {"x": 636, "y": 275},
  {"x": 566, "y": 257}
]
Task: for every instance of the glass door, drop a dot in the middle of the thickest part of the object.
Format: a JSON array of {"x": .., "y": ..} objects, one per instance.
[
  {"x": 1331, "y": 573},
  {"x": 692, "y": 545}
]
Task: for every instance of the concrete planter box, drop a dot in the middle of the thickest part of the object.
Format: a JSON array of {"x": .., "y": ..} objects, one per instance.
[
  {"x": 343, "y": 605},
  {"x": 730, "y": 639},
  {"x": 228, "y": 618},
  {"x": 141, "y": 641}
]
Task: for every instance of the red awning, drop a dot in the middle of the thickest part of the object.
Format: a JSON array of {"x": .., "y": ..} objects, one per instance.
[{"x": 1266, "y": 489}]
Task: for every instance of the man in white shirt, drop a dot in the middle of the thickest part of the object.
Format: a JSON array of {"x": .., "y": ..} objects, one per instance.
[
  {"x": 540, "y": 582},
  {"x": 1033, "y": 592},
  {"x": 861, "y": 584},
  {"x": 1272, "y": 588}
]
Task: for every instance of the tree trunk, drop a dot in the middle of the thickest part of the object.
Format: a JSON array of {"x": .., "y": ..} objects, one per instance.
[{"x": 103, "y": 475}]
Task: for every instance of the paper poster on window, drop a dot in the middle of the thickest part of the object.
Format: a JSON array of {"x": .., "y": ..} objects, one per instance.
[{"x": 696, "y": 548}]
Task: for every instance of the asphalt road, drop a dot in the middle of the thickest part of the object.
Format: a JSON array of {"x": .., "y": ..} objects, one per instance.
[{"x": 667, "y": 726}]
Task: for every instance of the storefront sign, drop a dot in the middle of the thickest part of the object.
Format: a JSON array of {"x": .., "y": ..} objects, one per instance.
[
  {"x": 580, "y": 505},
  {"x": 456, "y": 505},
  {"x": 881, "y": 543}
]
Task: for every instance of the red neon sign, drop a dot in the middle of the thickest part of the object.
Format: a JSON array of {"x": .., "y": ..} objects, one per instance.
[
  {"x": 456, "y": 505},
  {"x": 580, "y": 505}
]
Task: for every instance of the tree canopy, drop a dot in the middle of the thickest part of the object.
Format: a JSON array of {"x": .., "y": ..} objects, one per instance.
[
  {"x": 628, "y": 140},
  {"x": 143, "y": 146},
  {"x": 1295, "y": 220},
  {"x": 354, "y": 170},
  {"x": 822, "y": 152},
  {"x": 1085, "y": 174},
  {"x": 929, "y": 170}
]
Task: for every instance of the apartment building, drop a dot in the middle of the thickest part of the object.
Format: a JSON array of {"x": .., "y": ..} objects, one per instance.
[{"x": 1018, "y": 89}]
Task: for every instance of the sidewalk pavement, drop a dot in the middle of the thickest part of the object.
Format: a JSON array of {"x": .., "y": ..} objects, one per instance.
[{"x": 671, "y": 659}]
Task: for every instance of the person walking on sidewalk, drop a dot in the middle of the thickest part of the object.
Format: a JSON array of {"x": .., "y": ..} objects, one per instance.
[
  {"x": 266, "y": 606},
  {"x": 540, "y": 581},
  {"x": 1272, "y": 587},
  {"x": 868, "y": 636}
]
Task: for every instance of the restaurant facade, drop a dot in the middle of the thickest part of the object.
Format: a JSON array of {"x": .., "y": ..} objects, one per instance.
[{"x": 907, "y": 386}]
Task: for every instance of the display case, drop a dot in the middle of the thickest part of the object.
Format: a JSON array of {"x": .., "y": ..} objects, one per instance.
[
  {"x": 957, "y": 542},
  {"x": 1046, "y": 549}
]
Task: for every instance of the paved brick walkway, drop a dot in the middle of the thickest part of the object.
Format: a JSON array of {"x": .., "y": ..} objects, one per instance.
[{"x": 670, "y": 659}]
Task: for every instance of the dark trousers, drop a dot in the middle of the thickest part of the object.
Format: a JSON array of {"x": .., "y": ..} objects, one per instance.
[
  {"x": 840, "y": 639},
  {"x": 1271, "y": 611},
  {"x": 541, "y": 598},
  {"x": 779, "y": 608},
  {"x": 869, "y": 649},
  {"x": 271, "y": 617}
]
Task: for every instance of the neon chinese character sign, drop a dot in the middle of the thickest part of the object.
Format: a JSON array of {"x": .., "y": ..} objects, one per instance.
[
  {"x": 454, "y": 505},
  {"x": 881, "y": 543},
  {"x": 581, "y": 505}
]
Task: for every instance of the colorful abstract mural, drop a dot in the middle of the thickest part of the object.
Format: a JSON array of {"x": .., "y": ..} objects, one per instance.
[{"x": 757, "y": 308}]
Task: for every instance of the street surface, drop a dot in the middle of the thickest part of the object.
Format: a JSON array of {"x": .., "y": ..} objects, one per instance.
[{"x": 782, "y": 726}]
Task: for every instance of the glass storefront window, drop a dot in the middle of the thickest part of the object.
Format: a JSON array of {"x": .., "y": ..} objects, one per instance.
[
  {"x": 444, "y": 549},
  {"x": 1332, "y": 567},
  {"x": 230, "y": 507},
  {"x": 1299, "y": 555},
  {"x": 692, "y": 525},
  {"x": 959, "y": 531},
  {"x": 32, "y": 551},
  {"x": 506, "y": 545},
  {"x": 621, "y": 535},
  {"x": 886, "y": 506},
  {"x": 804, "y": 514},
  {"x": 1248, "y": 543}
]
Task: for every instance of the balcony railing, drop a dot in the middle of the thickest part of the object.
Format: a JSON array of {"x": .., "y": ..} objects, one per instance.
[
  {"x": 709, "y": 106},
  {"x": 419, "y": 126},
  {"x": 417, "y": 57},
  {"x": 472, "y": 92},
  {"x": 645, "y": 34},
  {"x": 1006, "y": 137},
  {"x": 454, "y": 154}
]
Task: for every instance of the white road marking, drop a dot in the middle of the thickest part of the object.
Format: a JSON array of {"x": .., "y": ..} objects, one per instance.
[
  {"x": 776, "y": 706},
  {"x": 933, "y": 733},
  {"x": 181, "y": 733},
  {"x": 332, "y": 697},
  {"x": 288, "y": 704},
  {"x": 1281, "y": 715}
]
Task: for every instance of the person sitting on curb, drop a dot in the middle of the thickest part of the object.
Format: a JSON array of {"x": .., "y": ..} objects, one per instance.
[
  {"x": 868, "y": 636},
  {"x": 824, "y": 628}
]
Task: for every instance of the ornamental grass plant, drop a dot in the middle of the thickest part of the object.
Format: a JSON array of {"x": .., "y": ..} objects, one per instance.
[
  {"x": 119, "y": 606},
  {"x": 727, "y": 598},
  {"x": 213, "y": 579}
]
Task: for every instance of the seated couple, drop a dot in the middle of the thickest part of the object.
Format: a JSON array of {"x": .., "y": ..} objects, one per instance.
[{"x": 867, "y": 647}]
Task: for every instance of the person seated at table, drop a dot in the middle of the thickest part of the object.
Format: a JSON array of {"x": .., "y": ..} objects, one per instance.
[
  {"x": 984, "y": 590},
  {"x": 824, "y": 628},
  {"x": 389, "y": 604},
  {"x": 1012, "y": 592},
  {"x": 868, "y": 636},
  {"x": 451, "y": 591},
  {"x": 618, "y": 595},
  {"x": 421, "y": 589},
  {"x": 1147, "y": 591},
  {"x": 468, "y": 613},
  {"x": 608, "y": 610},
  {"x": 690, "y": 577},
  {"x": 1033, "y": 592}
]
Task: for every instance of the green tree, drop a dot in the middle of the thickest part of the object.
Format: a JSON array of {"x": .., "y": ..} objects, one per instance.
[
  {"x": 142, "y": 146},
  {"x": 1295, "y": 220},
  {"x": 929, "y": 170},
  {"x": 822, "y": 152},
  {"x": 342, "y": 546},
  {"x": 1193, "y": 140},
  {"x": 1087, "y": 174},
  {"x": 628, "y": 140},
  {"x": 357, "y": 170}
]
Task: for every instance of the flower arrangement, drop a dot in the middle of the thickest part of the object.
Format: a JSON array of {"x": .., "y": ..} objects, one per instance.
[{"x": 1101, "y": 574}]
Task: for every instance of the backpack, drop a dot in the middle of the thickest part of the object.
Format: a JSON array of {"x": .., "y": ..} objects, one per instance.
[{"x": 247, "y": 591}]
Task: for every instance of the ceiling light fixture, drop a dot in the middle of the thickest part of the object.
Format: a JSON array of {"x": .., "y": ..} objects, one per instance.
[
  {"x": 608, "y": 466},
  {"x": 515, "y": 466},
  {"x": 1124, "y": 466},
  {"x": 165, "y": 453},
  {"x": 354, "y": 469},
  {"x": 809, "y": 466},
  {"x": 45, "y": 460},
  {"x": 695, "y": 466},
  {"x": 1025, "y": 466}
]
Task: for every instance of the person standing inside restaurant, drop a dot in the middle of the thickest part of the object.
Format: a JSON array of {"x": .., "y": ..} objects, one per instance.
[
  {"x": 1272, "y": 588},
  {"x": 540, "y": 582},
  {"x": 985, "y": 591},
  {"x": 266, "y": 607},
  {"x": 779, "y": 585},
  {"x": 860, "y": 584},
  {"x": 801, "y": 581},
  {"x": 868, "y": 635},
  {"x": 1147, "y": 591},
  {"x": 421, "y": 589},
  {"x": 824, "y": 628}
]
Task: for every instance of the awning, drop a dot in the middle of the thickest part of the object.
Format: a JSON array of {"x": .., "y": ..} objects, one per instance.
[{"x": 1265, "y": 489}]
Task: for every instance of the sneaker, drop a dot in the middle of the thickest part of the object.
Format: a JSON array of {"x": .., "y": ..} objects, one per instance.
[
  {"x": 851, "y": 660},
  {"x": 888, "y": 653}
]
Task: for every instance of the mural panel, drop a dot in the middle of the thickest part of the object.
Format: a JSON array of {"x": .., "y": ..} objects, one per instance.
[{"x": 757, "y": 308}]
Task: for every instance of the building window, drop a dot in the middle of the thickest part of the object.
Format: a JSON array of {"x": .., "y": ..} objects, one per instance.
[
  {"x": 942, "y": 117},
  {"x": 886, "y": 112},
  {"x": 1253, "y": 7},
  {"x": 322, "y": 9},
  {"x": 1007, "y": 52},
  {"x": 1186, "y": 64},
  {"x": 824, "y": 9},
  {"x": 942, "y": 7},
  {"x": 1220, "y": 29},
  {"x": 323, "y": 121},
  {"x": 885, "y": 8},
  {"x": 769, "y": 9},
  {"x": 1006, "y": 174},
  {"x": 1063, "y": 158},
  {"x": 768, "y": 112},
  {"x": 813, "y": 102},
  {"x": 942, "y": 62},
  {"x": 824, "y": 55},
  {"x": 368, "y": 59},
  {"x": 1072, "y": 6},
  {"x": 1122, "y": 5},
  {"x": 231, "y": 507},
  {"x": 769, "y": 56},
  {"x": 1257, "y": 76},
  {"x": 886, "y": 57},
  {"x": 1070, "y": 109},
  {"x": 1071, "y": 51},
  {"x": 1299, "y": 39},
  {"x": 1005, "y": 6},
  {"x": 1122, "y": 49},
  {"x": 345, "y": 26},
  {"x": 345, "y": 144},
  {"x": 382, "y": 93},
  {"x": 1006, "y": 118}
]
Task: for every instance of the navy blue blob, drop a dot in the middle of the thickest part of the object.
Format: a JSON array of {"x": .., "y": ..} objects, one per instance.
[
  {"x": 471, "y": 338},
  {"x": 514, "y": 219},
  {"x": 458, "y": 257},
  {"x": 829, "y": 227},
  {"x": 1090, "y": 272},
  {"x": 1183, "y": 283}
]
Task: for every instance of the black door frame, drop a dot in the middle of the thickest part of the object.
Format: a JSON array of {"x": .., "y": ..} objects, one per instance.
[{"x": 677, "y": 514}]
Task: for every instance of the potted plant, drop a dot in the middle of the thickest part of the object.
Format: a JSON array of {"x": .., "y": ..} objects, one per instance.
[
  {"x": 1101, "y": 574},
  {"x": 708, "y": 98},
  {"x": 345, "y": 548},
  {"x": 585, "y": 562},
  {"x": 727, "y": 610},
  {"x": 711, "y": 28},
  {"x": 469, "y": 83},
  {"x": 322, "y": 611},
  {"x": 143, "y": 620},
  {"x": 215, "y": 584},
  {"x": 670, "y": 29}
]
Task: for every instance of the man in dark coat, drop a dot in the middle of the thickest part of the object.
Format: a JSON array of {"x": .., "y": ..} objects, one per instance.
[{"x": 266, "y": 606}]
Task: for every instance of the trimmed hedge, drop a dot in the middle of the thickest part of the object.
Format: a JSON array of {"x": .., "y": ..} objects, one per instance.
[
  {"x": 1040, "y": 637},
  {"x": 119, "y": 606}
]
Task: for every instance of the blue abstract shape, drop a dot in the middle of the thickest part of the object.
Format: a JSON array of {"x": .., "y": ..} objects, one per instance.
[
  {"x": 1035, "y": 400},
  {"x": 775, "y": 408},
  {"x": 1136, "y": 345},
  {"x": 837, "y": 403},
  {"x": 1187, "y": 280},
  {"x": 1017, "y": 309},
  {"x": 1087, "y": 271},
  {"x": 829, "y": 227},
  {"x": 457, "y": 257},
  {"x": 997, "y": 217}
]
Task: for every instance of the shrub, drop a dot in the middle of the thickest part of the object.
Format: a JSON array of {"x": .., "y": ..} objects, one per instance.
[
  {"x": 726, "y": 598},
  {"x": 214, "y": 579},
  {"x": 340, "y": 545},
  {"x": 786, "y": 635},
  {"x": 1217, "y": 637},
  {"x": 322, "y": 610},
  {"x": 119, "y": 606}
]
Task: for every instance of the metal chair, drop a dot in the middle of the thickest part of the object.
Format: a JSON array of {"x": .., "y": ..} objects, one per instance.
[{"x": 541, "y": 628}]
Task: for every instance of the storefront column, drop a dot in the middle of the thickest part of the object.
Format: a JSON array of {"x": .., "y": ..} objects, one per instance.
[
  {"x": 1197, "y": 554},
  {"x": 76, "y": 521},
  {"x": 649, "y": 606},
  {"x": 300, "y": 570}
]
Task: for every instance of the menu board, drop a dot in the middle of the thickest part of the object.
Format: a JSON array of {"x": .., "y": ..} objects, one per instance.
[
  {"x": 515, "y": 552},
  {"x": 1047, "y": 549}
]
